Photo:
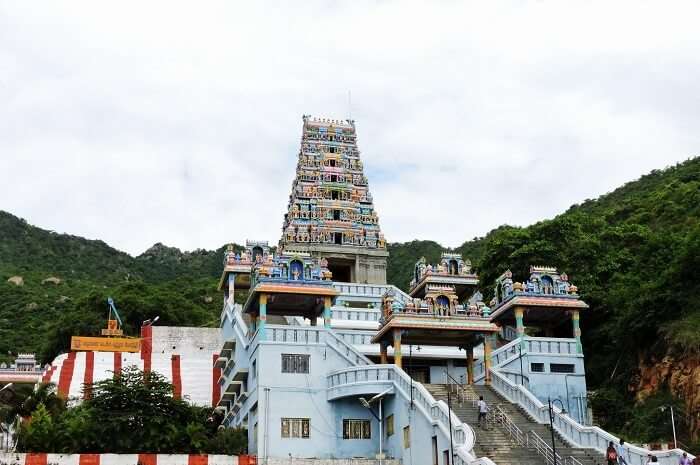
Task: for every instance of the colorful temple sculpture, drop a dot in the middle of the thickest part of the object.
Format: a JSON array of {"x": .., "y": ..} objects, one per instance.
[
  {"x": 330, "y": 213},
  {"x": 317, "y": 357},
  {"x": 544, "y": 301},
  {"x": 437, "y": 314}
]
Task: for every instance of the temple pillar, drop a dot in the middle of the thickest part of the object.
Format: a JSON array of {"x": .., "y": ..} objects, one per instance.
[
  {"x": 263, "y": 316},
  {"x": 575, "y": 320},
  {"x": 327, "y": 312},
  {"x": 470, "y": 365},
  {"x": 488, "y": 342},
  {"x": 519, "y": 326},
  {"x": 383, "y": 359},
  {"x": 397, "y": 348}
]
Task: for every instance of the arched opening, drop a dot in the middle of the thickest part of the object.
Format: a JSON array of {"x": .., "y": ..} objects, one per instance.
[
  {"x": 296, "y": 270},
  {"x": 442, "y": 302},
  {"x": 454, "y": 267},
  {"x": 547, "y": 285},
  {"x": 257, "y": 252}
]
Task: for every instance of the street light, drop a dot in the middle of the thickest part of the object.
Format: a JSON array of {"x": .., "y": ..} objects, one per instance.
[
  {"x": 522, "y": 377},
  {"x": 410, "y": 368},
  {"x": 368, "y": 405},
  {"x": 150, "y": 322},
  {"x": 673, "y": 424},
  {"x": 551, "y": 424}
]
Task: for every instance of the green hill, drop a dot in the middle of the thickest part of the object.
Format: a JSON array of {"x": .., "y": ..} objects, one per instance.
[{"x": 633, "y": 254}]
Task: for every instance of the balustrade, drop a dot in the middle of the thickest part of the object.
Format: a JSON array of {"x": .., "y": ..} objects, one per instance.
[{"x": 434, "y": 411}]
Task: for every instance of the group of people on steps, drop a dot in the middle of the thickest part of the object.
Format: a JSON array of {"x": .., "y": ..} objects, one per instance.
[{"x": 615, "y": 454}]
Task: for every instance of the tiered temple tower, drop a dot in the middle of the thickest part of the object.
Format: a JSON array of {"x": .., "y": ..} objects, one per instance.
[{"x": 330, "y": 213}]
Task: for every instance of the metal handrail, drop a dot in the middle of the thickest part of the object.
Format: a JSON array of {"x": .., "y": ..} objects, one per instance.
[
  {"x": 497, "y": 415},
  {"x": 534, "y": 441},
  {"x": 571, "y": 461},
  {"x": 451, "y": 383}
]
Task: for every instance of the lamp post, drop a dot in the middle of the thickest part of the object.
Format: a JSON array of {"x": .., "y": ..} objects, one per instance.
[
  {"x": 673, "y": 424},
  {"x": 449, "y": 420},
  {"x": 368, "y": 405},
  {"x": 551, "y": 424},
  {"x": 410, "y": 369},
  {"x": 522, "y": 377}
]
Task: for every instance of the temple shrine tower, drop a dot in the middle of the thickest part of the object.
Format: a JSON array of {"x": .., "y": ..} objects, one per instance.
[{"x": 330, "y": 213}]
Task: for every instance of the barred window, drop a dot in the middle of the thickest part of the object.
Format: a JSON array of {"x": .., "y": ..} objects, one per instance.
[
  {"x": 389, "y": 425},
  {"x": 295, "y": 428},
  {"x": 561, "y": 368},
  {"x": 537, "y": 367},
  {"x": 356, "y": 429},
  {"x": 295, "y": 363}
]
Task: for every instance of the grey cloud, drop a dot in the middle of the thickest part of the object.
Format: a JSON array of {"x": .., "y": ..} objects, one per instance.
[{"x": 180, "y": 123}]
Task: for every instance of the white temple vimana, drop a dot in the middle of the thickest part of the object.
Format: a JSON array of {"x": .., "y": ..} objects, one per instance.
[{"x": 318, "y": 357}]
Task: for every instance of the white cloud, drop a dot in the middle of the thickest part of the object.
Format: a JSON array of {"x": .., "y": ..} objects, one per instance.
[{"x": 180, "y": 122}]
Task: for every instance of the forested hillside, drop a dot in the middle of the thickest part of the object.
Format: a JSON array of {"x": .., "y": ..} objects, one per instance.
[{"x": 633, "y": 253}]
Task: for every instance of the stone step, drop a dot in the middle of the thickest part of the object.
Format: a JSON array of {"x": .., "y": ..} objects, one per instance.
[{"x": 494, "y": 443}]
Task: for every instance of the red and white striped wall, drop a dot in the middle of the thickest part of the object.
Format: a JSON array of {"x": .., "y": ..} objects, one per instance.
[
  {"x": 118, "y": 459},
  {"x": 184, "y": 356}
]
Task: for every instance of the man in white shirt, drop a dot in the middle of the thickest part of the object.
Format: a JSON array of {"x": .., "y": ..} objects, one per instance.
[
  {"x": 621, "y": 456},
  {"x": 483, "y": 409}
]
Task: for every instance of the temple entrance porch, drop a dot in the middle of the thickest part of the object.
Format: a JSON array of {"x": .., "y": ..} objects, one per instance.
[{"x": 405, "y": 330}]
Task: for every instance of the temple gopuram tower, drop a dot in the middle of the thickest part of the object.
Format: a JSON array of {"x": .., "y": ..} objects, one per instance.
[{"x": 330, "y": 214}]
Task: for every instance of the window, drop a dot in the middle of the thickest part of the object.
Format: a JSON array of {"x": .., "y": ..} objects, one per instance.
[
  {"x": 334, "y": 178},
  {"x": 537, "y": 367},
  {"x": 406, "y": 437},
  {"x": 331, "y": 162},
  {"x": 254, "y": 371},
  {"x": 334, "y": 195},
  {"x": 295, "y": 428},
  {"x": 336, "y": 215},
  {"x": 389, "y": 425},
  {"x": 295, "y": 363},
  {"x": 356, "y": 429},
  {"x": 338, "y": 238},
  {"x": 561, "y": 368}
]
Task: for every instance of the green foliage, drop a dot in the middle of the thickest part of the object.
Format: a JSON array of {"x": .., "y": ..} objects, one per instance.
[{"x": 129, "y": 413}]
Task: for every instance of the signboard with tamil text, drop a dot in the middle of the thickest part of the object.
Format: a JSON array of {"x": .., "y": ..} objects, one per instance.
[{"x": 105, "y": 344}]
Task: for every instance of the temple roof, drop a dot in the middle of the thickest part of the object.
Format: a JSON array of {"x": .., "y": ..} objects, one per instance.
[{"x": 330, "y": 202}]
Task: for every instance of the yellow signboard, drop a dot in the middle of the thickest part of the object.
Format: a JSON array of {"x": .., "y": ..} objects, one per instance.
[
  {"x": 105, "y": 344},
  {"x": 112, "y": 332}
]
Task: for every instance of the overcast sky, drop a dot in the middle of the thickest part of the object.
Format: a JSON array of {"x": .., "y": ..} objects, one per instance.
[{"x": 180, "y": 123}]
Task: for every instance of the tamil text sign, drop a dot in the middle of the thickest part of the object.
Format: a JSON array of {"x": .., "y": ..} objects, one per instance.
[{"x": 105, "y": 344}]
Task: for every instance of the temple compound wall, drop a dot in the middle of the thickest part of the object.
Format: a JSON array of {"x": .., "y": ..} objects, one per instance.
[{"x": 184, "y": 356}]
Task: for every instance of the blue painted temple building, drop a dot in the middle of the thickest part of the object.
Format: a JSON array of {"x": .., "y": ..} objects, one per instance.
[{"x": 321, "y": 358}]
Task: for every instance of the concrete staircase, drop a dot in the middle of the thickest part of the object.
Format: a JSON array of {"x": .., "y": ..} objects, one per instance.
[{"x": 495, "y": 443}]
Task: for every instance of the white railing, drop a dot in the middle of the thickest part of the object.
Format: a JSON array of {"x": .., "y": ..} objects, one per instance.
[
  {"x": 348, "y": 351},
  {"x": 240, "y": 326},
  {"x": 531, "y": 345},
  {"x": 436, "y": 412},
  {"x": 294, "y": 334},
  {"x": 371, "y": 290},
  {"x": 573, "y": 432},
  {"x": 357, "y": 314}
]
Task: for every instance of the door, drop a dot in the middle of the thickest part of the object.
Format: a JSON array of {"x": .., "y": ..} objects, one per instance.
[{"x": 435, "y": 451}]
